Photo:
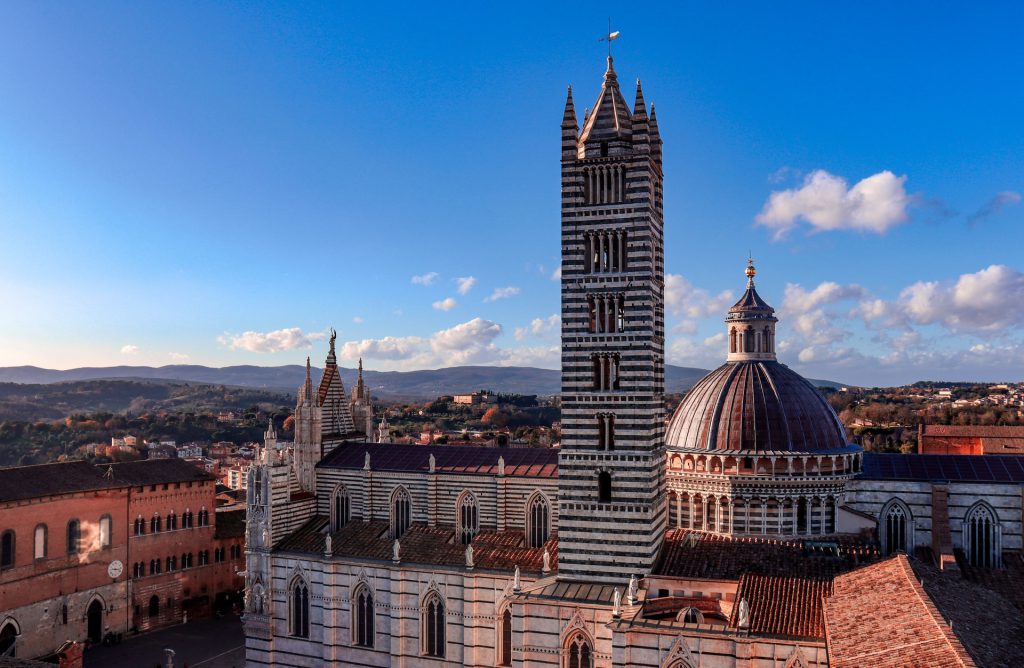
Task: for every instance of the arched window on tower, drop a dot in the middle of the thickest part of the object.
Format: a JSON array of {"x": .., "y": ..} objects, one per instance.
[
  {"x": 401, "y": 513},
  {"x": 340, "y": 511},
  {"x": 732, "y": 339},
  {"x": 767, "y": 339},
  {"x": 604, "y": 487},
  {"x": 895, "y": 530},
  {"x": 469, "y": 518},
  {"x": 298, "y": 624},
  {"x": 505, "y": 638},
  {"x": 748, "y": 340},
  {"x": 579, "y": 653},
  {"x": 538, "y": 523},
  {"x": 362, "y": 627},
  {"x": 433, "y": 626},
  {"x": 982, "y": 537}
]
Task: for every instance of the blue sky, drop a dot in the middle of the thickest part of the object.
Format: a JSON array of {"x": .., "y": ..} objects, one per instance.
[{"x": 221, "y": 183}]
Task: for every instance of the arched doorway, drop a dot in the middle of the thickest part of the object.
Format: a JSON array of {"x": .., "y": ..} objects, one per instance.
[
  {"x": 94, "y": 614},
  {"x": 8, "y": 634}
]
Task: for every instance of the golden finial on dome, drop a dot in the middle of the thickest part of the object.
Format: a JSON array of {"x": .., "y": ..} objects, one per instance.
[{"x": 751, "y": 271}]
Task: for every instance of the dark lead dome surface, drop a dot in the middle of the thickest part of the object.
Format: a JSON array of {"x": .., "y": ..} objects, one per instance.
[{"x": 759, "y": 406}]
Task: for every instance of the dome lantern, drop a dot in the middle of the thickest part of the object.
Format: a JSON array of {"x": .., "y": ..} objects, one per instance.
[{"x": 750, "y": 324}]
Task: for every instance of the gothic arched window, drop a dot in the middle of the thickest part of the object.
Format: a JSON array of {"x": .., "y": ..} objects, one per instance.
[
  {"x": 505, "y": 638},
  {"x": 538, "y": 523},
  {"x": 340, "y": 510},
  {"x": 154, "y": 606},
  {"x": 895, "y": 530},
  {"x": 172, "y": 521},
  {"x": 579, "y": 653},
  {"x": 401, "y": 512},
  {"x": 362, "y": 625},
  {"x": 433, "y": 626},
  {"x": 981, "y": 536},
  {"x": 8, "y": 635},
  {"x": 298, "y": 623},
  {"x": 469, "y": 518}
]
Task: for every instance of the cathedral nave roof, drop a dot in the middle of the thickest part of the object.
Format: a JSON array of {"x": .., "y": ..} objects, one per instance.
[
  {"x": 1007, "y": 469},
  {"x": 422, "y": 544},
  {"x": 463, "y": 459}
]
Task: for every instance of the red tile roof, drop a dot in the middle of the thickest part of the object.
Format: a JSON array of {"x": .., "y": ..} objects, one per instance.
[
  {"x": 880, "y": 616},
  {"x": 783, "y": 606},
  {"x": 473, "y": 460},
  {"x": 978, "y": 600},
  {"x": 28, "y": 482},
  {"x": 973, "y": 431},
  {"x": 696, "y": 554},
  {"x": 421, "y": 544}
]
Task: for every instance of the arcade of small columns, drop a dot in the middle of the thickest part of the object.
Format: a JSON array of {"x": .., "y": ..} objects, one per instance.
[
  {"x": 605, "y": 251},
  {"x": 604, "y": 184},
  {"x": 797, "y": 495}
]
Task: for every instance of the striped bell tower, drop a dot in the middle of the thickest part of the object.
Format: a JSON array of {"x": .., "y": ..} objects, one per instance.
[{"x": 611, "y": 463}]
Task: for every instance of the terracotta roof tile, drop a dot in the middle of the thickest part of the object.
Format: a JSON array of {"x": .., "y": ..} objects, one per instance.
[
  {"x": 977, "y": 601},
  {"x": 880, "y": 616},
  {"x": 153, "y": 471},
  {"x": 421, "y": 544},
  {"x": 783, "y": 606},
  {"x": 696, "y": 554}
]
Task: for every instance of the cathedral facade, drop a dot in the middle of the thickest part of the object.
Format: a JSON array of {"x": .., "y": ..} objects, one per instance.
[{"x": 739, "y": 533}]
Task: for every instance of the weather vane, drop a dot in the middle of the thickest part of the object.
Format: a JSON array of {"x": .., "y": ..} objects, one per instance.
[{"x": 610, "y": 37}]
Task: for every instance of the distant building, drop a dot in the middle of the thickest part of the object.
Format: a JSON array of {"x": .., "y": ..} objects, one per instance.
[
  {"x": 475, "y": 398},
  {"x": 935, "y": 439},
  {"x": 89, "y": 549}
]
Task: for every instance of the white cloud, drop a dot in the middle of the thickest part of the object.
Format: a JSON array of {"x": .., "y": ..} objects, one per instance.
[
  {"x": 179, "y": 358},
  {"x": 707, "y": 353},
  {"x": 825, "y": 201},
  {"x": 387, "y": 348},
  {"x": 357, "y": 319},
  {"x": 797, "y": 300},
  {"x": 465, "y": 284},
  {"x": 470, "y": 342},
  {"x": 425, "y": 279},
  {"x": 988, "y": 300},
  {"x": 540, "y": 327},
  {"x": 291, "y": 338},
  {"x": 547, "y": 357},
  {"x": 446, "y": 304},
  {"x": 556, "y": 275},
  {"x": 502, "y": 293},
  {"x": 130, "y": 349},
  {"x": 683, "y": 299}
]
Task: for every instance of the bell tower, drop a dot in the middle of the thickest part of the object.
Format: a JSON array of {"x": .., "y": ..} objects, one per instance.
[{"x": 611, "y": 463}]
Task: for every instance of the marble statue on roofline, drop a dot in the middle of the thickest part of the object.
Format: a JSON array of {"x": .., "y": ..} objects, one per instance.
[{"x": 632, "y": 592}]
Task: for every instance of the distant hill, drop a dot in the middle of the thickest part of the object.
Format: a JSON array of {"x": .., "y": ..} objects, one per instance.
[{"x": 425, "y": 384}]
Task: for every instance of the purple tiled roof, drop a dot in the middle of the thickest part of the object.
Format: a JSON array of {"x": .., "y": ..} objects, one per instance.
[
  {"x": 472, "y": 460},
  {"x": 961, "y": 468},
  {"x": 755, "y": 406}
]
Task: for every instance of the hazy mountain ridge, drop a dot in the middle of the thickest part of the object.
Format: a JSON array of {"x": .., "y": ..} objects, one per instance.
[{"x": 422, "y": 384}]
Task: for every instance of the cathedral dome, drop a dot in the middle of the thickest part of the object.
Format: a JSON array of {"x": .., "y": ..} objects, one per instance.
[
  {"x": 755, "y": 406},
  {"x": 753, "y": 403}
]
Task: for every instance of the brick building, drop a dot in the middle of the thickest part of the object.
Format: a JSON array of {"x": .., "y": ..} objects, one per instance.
[
  {"x": 939, "y": 439},
  {"x": 87, "y": 550}
]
